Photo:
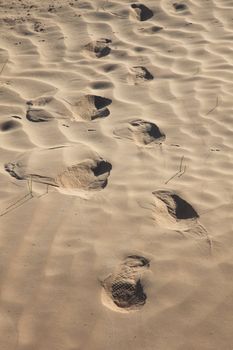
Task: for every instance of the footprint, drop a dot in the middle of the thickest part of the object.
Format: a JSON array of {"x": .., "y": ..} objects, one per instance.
[
  {"x": 150, "y": 30},
  {"x": 123, "y": 290},
  {"x": 90, "y": 107},
  {"x": 172, "y": 211},
  {"x": 87, "y": 175},
  {"x": 179, "y": 7},
  {"x": 144, "y": 133},
  {"x": 139, "y": 74},
  {"x": 142, "y": 12},
  {"x": 9, "y": 125},
  {"x": 38, "y": 27},
  {"x": 36, "y": 115},
  {"x": 98, "y": 48}
]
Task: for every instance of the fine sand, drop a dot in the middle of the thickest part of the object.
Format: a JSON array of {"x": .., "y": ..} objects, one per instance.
[{"x": 116, "y": 153}]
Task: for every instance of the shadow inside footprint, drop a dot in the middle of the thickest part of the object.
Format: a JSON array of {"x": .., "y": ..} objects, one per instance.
[
  {"x": 183, "y": 209},
  {"x": 101, "y": 102},
  {"x": 177, "y": 207},
  {"x": 101, "y": 168},
  {"x": 143, "y": 12},
  {"x": 179, "y": 7}
]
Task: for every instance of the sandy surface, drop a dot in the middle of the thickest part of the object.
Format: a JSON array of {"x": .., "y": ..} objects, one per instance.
[{"x": 116, "y": 175}]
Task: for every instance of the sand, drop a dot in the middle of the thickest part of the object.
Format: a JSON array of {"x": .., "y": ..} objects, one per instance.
[{"x": 116, "y": 175}]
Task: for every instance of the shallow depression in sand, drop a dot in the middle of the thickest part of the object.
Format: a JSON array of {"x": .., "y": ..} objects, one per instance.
[
  {"x": 172, "y": 211},
  {"x": 38, "y": 115},
  {"x": 89, "y": 175},
  {"x": 142, "y": 132},
  {"x": 98, "y": 48},
  {"x": 146, "y": 86},
  {"x": 123, "y": 290},
  {"x": 91, "y": 107},
  {"x": 142, "y": 12},
  {"x": 139, "y": 74}
]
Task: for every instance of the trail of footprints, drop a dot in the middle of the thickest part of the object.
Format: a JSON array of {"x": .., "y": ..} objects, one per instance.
[{"x": 122, "y": 290}]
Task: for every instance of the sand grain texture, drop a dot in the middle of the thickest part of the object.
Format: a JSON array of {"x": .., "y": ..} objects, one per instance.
[{"x": 116, "y": 175}]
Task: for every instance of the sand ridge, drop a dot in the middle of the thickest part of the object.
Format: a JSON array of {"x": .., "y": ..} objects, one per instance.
[{"x": 115, "y": 170}]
